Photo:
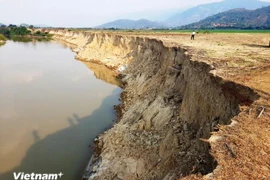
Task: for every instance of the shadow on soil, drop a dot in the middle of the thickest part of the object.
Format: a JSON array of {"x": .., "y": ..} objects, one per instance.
[
  {"x": 67, "y": 151},
  {"x": 256, "y": 45}
]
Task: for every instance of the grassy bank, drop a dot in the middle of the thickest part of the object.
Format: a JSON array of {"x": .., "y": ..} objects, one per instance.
[
  {"x": 198, "y": 30},
  {"x": 22, "y": 32},
  {"x": 2, "y": 38},
  {"x": 225, "y": 31},
  {"x": 173, "y": 31}
]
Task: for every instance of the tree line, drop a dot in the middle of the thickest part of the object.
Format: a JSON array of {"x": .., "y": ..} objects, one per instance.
[{"x": 13, "y": 30}]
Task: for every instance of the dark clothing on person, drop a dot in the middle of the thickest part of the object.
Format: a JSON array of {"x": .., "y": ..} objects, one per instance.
[{"x": 193, "y": 35}]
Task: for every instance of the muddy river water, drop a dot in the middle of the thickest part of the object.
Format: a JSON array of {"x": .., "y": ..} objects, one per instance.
[{"x": 51, "y": 108}]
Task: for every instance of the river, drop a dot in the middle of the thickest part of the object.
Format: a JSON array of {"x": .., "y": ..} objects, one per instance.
[{"x": 51, "y": 108}]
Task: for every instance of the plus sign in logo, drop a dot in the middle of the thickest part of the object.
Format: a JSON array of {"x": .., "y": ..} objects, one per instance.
[{"x": 60, "y": 174}]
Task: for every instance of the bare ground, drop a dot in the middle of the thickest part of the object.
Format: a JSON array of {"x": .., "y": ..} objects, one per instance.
[
  {"x": 243, "y": 151},
  {"x": 243, "y": 148}
]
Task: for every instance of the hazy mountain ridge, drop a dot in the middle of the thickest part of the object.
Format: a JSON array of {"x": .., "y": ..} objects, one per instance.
[
  {"x": 191, "y": 15},
  {"x": 154, "y": 15},
  {"x": 202, "y": 11},
  {"x": 236, "y": 18},
  {"x": 131, "y": 24}
]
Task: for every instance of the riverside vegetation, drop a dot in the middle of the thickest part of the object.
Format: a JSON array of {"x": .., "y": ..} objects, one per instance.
[
  {"x": 22, "y": 33},
  {"x": 2, "y": 40}
]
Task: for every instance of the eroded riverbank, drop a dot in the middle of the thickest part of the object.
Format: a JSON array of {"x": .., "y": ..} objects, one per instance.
[{"x": 173, "y": 104}]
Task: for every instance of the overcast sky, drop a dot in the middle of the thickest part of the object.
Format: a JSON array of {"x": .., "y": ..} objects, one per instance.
[{"x": 83, "y": 13}]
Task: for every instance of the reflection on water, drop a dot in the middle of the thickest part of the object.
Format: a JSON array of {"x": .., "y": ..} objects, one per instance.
[
  {"x": 22, "y": 39},
  {"x": 51, "y": 108},
  {"x": 103, "y": 73}
]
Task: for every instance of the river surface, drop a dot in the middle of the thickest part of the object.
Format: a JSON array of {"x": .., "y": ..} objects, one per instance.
[{"x": 51, "y": 108}]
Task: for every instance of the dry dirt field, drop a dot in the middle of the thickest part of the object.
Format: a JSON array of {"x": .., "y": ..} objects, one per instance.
[
  {"x": 244, "y": 150},
  {"x": 241, "y": 57},
  {"x": 244, "y": 147}
]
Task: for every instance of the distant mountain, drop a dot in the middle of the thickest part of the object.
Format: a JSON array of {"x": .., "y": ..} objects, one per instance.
[
  {"x": 131, "y": 24},
  {"x": 1, "y": 24},
  {"x": 202, "y": 11},
  {"x": 236, "y": 18},
  {"x": 153, "y": 14}
]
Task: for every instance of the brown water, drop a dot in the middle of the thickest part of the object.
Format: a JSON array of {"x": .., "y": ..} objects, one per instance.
[{"x": 51, "y": 108}]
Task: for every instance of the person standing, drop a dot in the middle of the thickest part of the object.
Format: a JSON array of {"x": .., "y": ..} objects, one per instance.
[{"x": 193, "y": 35}]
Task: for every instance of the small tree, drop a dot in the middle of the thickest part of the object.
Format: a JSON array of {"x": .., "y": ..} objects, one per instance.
[
  {"x": 31, "y": 27},
  {"x": 38, "y": 32}
]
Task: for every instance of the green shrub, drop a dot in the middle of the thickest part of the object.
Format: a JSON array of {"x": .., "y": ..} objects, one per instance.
[
  {"x": 206, "y": 32},
  {"x": 19, "y": 31},
  {"x": 38, "y": 33},
  {"x": 2, "y": 38}
]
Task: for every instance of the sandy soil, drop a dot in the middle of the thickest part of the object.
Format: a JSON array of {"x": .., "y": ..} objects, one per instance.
[
  {"x": 241, "y": 149},
  {"x": 244, "y": 147},
  {"x": 243, "y": 58}
]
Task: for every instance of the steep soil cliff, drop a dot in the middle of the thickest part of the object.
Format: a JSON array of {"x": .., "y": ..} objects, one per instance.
[
  {"x": 171, "y": 104},
  {"x": 107, "y": 49}
]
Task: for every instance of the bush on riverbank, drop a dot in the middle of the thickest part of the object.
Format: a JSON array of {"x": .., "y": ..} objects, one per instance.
[
  {"x": 21, "y": 31},
  {"x": 44, "y": 34},
  {"x": 23, "y": 34},
  {"x": 15, "y": 31},
  {"x": 2, "y": 38}
]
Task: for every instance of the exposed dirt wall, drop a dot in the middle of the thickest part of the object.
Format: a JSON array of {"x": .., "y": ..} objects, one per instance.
[{"x": 171, "y": 105}]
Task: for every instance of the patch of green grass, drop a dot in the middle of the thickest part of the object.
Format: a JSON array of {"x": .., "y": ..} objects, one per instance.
[
  {"x": 206, "y": 31},
  {"x": 29, "y": 38},
  {"x": 2, "y": 38},
  {"x": 177, "y": 31},
  {"x": 238, "y": 31}
]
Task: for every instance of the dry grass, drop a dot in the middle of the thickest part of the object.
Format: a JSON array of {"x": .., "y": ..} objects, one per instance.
[{"x": 251, "y": 143}]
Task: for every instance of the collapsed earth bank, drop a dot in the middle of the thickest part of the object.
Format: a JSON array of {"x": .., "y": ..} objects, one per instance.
[{"x": 170, "y": 105}]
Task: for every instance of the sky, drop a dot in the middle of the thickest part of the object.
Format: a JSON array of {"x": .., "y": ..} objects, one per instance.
[{"x": 86, "y": 13}]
